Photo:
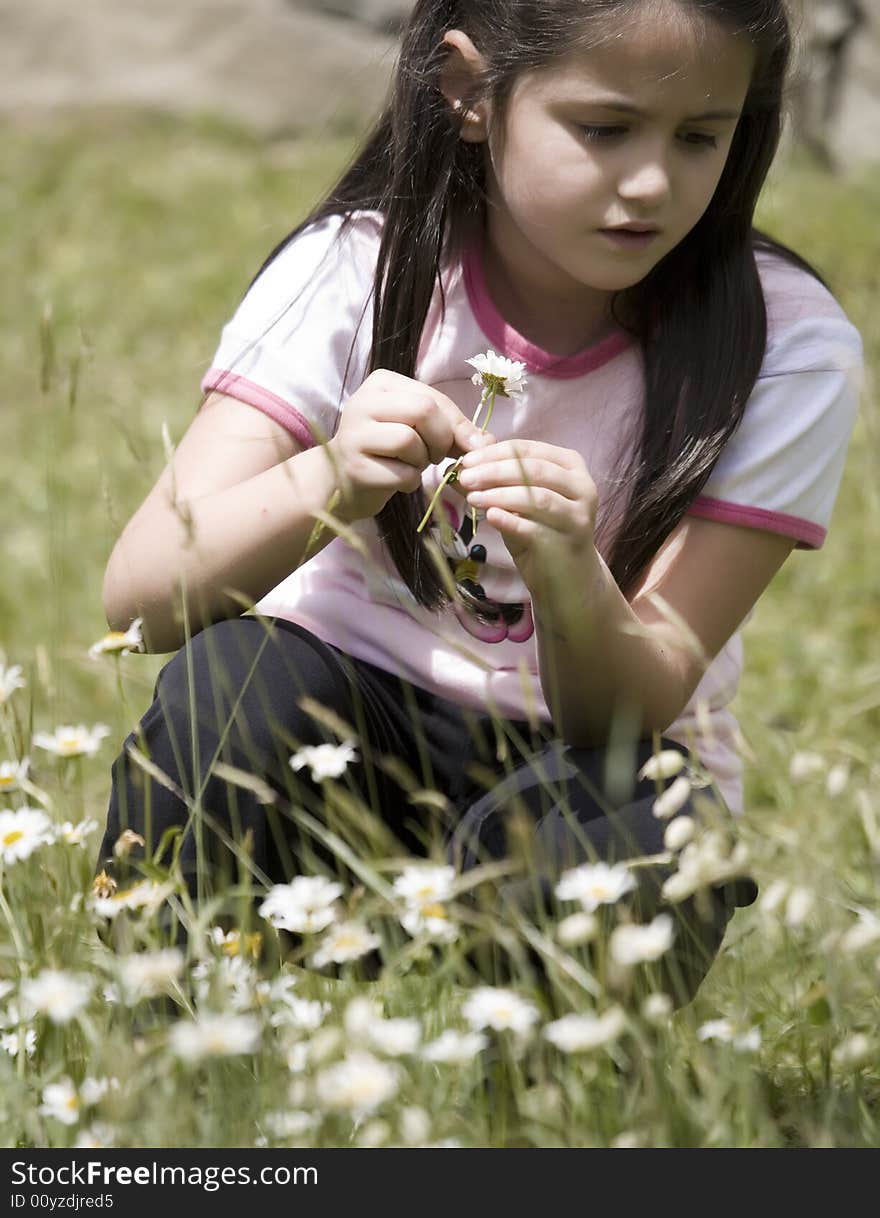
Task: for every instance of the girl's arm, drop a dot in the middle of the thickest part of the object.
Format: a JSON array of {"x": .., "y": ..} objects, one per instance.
[
  {"x": 233, "y": 510},
  {"x": 601, "y": 655},
  {"x": 232, "y": 514}
]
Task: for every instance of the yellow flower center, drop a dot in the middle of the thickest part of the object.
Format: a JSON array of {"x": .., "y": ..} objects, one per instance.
[
  {"x": 434, "y": 911},
  {"x": 14, "y": 835}
]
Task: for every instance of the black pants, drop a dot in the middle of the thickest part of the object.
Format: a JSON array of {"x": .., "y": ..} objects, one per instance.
[{"x": 248, "y": 692}]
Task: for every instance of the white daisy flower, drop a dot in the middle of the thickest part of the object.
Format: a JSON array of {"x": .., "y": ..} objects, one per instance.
[
  {"x": 854, "y": 1051},
  {"x": 119, "y": 642},
  {"x": 146, "y": 974},
  {"x": 673, "y": 799},
  {"x": 657, "y": 1009},
  {"x": 498, "y": 374},
  {"x": 862, "y": 934},
  {"x": 325, "y": 760},
  {"x": 577, "y": 929},
  {"x": 11, "y": 1042},
  {"x": 10, "y": 680},
  {"x": 395, "y": 1037},
  {"x": 708, "y": 860},
  {"x": 345, "y": 942},
  {"x": 579, "y": 1033},
  {"x": 633, "y": 944},
  {"x": 665, "y": 764},
  {"x": 58, "y": 994},
  {"x": 62, "y": 1102},
  {"x": 211, "y": 1035},
  {"x": 501, "y": 1009},
  {"x": 93, "y": 1090},
  {"x": 804, "y": 765},
  {"x": 69, "y": 741},
  {"x": 22, "y": 832},
  {"x": 303, "y": 906},
  {"x": 145, "y": 895},
  {"x": 422, "y": 885},
  {"x": 292, "y": 1123},
  {"x": 76, "y": 834},
  {"x": 837, "y": 780},
  {"x": 358, "y": 1084},
  {"x": 595, "y": 884},
  {"x": 304, "y": 1014},
  {"x": 432, "y": 921},
  {"x": 98, "y": 1136},
  {"x": 359, "y": 1014},
  {"x": 455, "y": 1048},
  {"x": 12, "y": 774},
  {"x": 415, "y": 1125}
]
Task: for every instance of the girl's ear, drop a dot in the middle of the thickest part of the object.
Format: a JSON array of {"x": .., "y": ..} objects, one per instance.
[{"x": 460, "y": 76}]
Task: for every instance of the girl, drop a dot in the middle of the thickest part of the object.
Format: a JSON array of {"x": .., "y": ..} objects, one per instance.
[{"x": 572, "y": 184}]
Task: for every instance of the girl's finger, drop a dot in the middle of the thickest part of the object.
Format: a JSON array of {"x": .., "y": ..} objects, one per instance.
[
  {"x": 530, "y": 472},
  {"x": 397, "y": 441},
  {"x": 522, "y": 450},
  {"x": 537, "y": 503}
]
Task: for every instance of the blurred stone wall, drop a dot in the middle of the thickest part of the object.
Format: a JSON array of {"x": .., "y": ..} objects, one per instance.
[{"x": 286, "y": 66}]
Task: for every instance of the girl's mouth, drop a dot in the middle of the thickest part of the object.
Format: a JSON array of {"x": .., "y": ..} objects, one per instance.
[{"x": 627, "y": 238}]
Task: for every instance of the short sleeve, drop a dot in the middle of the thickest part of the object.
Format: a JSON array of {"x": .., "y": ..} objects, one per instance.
[
  {"x": 298, "y": 344},
  {"x": 782, "y": 468}
]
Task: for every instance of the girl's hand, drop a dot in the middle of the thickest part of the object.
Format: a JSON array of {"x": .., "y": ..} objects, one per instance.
[
  {"x": 542, "y": 501},
  {"x": 390, "y": 430}
]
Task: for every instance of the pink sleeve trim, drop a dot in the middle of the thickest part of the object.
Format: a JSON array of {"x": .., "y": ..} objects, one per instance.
[
  {"x": 263, "y": 399},
  {"x": 808, "y": 535}
]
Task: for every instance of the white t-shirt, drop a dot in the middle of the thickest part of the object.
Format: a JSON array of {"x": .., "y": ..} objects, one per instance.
[{"x": 298, "y": 347}]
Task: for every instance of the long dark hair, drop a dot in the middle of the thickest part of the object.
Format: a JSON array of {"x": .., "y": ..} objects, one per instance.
[{"x": 699, "y": 316}]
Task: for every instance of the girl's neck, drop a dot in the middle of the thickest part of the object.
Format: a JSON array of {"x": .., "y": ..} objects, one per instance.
[{"x": 560, "y": 318}]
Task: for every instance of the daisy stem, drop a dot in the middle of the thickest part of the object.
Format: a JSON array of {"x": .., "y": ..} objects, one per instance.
[
  {"x": 450, "y": 476},
  {"x": 13, "y": 925}
]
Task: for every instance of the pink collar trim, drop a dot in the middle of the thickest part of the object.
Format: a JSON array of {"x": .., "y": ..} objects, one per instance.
[{"x": 512, "y": 344}]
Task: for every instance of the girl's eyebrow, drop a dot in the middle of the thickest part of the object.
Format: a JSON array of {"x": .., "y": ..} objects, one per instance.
[{"x": 607, "y": 103}]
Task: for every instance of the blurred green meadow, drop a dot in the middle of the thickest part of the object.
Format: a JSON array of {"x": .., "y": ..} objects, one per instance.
[{"x": 127, "y": 242}]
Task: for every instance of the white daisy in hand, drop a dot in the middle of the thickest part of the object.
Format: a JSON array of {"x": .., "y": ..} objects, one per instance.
[
  {"x": 497, "y": 374},
  {"x": 304, "y": 906},
  {"x": 10, "y": 680},
  {"x": 595, "y": 884},
  {"x": 324, "y": 760},
  {"x": 22, "y": 832},
  {"x": 68, "y": 741},
  {"x": 119, "y": 642},
  {"x": 494, "y": 1007}
]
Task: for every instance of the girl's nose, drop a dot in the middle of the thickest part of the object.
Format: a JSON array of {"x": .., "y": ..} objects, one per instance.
[{"x": 647, "y": 183}]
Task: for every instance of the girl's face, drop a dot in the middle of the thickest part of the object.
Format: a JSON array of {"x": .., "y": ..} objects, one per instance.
[{"x": 635, "y": 133}]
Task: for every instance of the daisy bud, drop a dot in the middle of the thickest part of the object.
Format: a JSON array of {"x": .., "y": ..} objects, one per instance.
[
  {"x": 673, "y": 799},
  {"x": 665, "y": 764}
]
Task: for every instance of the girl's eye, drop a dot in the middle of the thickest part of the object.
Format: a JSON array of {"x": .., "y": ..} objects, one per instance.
[
  {"x": 697, "y": 139},
  {"x": 602, "y": 133}
]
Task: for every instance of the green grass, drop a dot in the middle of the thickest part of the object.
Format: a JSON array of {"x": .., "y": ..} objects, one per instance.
[{"x": 127, "y": 242}]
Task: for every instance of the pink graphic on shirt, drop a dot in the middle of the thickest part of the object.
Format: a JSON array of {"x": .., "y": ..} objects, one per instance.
[{"x": 483, "y": 618}]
